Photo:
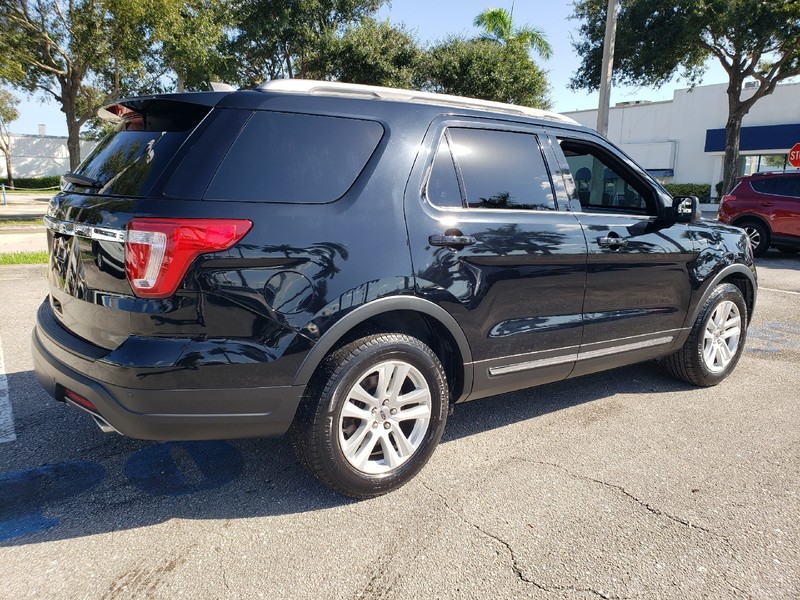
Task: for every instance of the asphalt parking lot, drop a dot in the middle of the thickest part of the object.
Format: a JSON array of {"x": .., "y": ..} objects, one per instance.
[{"x": 625, "y": 484}]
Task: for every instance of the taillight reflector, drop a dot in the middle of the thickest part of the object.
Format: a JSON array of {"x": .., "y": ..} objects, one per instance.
[
  {"x": 727, "y": 197},
  {"x": 158, "y": 252},
  {"x": 79, "y": 400}
]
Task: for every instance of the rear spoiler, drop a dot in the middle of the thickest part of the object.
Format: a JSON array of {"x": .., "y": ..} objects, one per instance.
[{"x": 159, "y": 104}]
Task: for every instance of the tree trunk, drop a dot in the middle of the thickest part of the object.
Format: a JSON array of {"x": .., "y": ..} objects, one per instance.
[
  {"x": 730, "y": 166},
  {"x": 181, "y": 83},
  {"x": 9, "y": 170},
  {"x": 733, "y": 131},
  {"x": 74, "y": 144}
]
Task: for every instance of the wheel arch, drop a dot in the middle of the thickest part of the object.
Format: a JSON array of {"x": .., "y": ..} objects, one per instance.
[
  {"x": 740, "y": 276},
  {"x": 400, "y": 314},
  {"x": 740, "y": 220}
]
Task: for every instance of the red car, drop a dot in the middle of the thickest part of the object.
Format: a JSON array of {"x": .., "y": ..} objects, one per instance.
[{"x": 767, "y": 207}]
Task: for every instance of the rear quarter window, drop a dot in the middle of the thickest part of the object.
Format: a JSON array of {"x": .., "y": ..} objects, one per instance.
[{"x": 295, "y": 158}]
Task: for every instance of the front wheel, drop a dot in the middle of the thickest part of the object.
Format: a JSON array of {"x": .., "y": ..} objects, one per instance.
[
  {"x": 374, "y": 415},
  {"x": 716, "y": 341}
]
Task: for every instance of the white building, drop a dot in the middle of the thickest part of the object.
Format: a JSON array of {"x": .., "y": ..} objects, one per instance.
[
  {"x": 40, "y": 155},
  {"x": 683, "y": 140}
]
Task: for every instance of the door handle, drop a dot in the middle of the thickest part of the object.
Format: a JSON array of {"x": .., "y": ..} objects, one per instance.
[
  {"x": 451, "y": 240},
  {"x": 612, "y": 241}
]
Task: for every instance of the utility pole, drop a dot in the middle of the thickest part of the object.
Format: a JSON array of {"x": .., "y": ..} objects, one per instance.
[{"x": 607, "y": 67}]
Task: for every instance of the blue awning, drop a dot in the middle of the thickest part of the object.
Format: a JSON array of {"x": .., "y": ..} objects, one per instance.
[
  {"x": 662, "y": 172},
  {"x": 764, "y": 137}
]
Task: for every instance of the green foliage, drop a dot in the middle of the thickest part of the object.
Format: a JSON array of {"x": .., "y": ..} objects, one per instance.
[
  {"x": 657, "y": 39},
  {"x": 373, "y": 53},
  {"x": 483, "y": 69},
  {"x": 24, "y": 258},
  {"x": 285, "y": 38},
  {"x": 499, "y": 27},
  {"x": 31, "y": 183},
  {"x": 8, "y": 109},
  {"x": 701, "y": 190}
]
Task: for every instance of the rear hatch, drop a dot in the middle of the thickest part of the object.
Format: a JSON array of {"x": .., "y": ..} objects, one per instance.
[{"x": 87, "y": 222}]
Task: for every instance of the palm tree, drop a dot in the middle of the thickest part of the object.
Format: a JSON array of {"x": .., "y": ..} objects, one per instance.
[{"x": 499, "y": 27}]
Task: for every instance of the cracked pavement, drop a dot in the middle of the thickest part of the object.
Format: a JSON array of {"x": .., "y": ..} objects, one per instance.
[{"x": 624, "y": 484}]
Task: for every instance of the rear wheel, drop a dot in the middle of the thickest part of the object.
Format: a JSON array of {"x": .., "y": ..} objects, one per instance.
[
  {"x": 759, "y": 236},
  {"x": 374, "y": 415},
  {"x": 716, "y": 341}
]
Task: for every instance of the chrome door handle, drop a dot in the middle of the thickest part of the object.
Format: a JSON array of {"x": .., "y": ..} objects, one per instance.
[
  {"x": 451, "y": 240},
  {"x": 612, "y": 241}
]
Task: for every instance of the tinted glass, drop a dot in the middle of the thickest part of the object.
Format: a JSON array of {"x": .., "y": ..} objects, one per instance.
[
  {"x": 130, "y": 160},
  {"x": 443, "y": 183},
  {"x": 780, "y": 186},
  {"x": 502, "y": 169},
  {"x": 282, "y": 157},
  {"x": 600, "y": 184}
]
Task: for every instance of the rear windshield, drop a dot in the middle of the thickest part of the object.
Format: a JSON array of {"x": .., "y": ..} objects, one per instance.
[{"x": 130, "y": 159}]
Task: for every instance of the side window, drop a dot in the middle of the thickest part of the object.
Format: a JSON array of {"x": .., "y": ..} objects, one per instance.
[
  {"x": 286, "y": 157},
  {"x": 763, "y": 186},
  {"x": 785, "y": 186},
  {"x": 443, "y": 187},
  {"x": 501, "y": 169},
  {"x": 602, "y": 185}
]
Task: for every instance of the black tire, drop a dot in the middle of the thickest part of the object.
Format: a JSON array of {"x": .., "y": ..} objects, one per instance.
[
  {"x": 692, "y": 363},
  {"x": 348, "y": 453},
  {"x": 788, "y": 249},
  {"x": 759, "y": 235}
]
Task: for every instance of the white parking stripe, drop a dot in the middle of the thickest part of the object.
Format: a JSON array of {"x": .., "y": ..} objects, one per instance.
[
  {"x": 782, "y": 291},
  {"x": 7, "y": 433}
]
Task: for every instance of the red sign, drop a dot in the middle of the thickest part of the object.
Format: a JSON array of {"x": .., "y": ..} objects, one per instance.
[{"x": 794, "y": 156}]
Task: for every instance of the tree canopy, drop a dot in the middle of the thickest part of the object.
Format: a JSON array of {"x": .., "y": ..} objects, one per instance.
[
  {"x": 658, "y": 39},
  {"x": 499, "y": 27},
  {"x": 482, "y": 69}
]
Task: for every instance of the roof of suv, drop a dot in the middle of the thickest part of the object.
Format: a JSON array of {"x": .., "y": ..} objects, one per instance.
[
  {"x": 309, "y": 87},
  {"x": 336, "y": 88}
]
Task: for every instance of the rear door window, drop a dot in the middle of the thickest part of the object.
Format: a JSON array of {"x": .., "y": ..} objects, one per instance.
[
  {"x": 297, "y": 158},
  {"x": 502, "y": 169}
]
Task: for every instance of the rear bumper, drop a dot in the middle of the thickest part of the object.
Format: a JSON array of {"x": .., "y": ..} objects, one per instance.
[{"x": 166, "y": 414}]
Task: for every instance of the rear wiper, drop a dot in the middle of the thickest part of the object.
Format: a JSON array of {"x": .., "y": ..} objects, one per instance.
[{"x": 81, "y": 180}]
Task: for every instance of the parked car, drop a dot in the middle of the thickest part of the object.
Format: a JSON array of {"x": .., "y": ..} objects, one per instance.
[
  {"x": 345, "y": 263},
  {"x": 767, "y": 207}
]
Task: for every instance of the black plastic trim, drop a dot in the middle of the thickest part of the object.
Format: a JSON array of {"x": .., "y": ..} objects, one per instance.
[{"x": 375, "y": 308}]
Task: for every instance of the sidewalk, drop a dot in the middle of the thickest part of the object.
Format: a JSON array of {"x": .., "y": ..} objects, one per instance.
[{"x": 23, "y": 238}]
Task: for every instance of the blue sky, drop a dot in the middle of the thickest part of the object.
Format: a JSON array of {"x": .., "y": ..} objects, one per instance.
[{"x": 432, "y": 20}]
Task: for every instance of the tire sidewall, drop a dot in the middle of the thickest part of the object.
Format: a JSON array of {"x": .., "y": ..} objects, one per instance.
[
  {"x": 724, "y": 292},
  {"x": 413, "y": 352}
]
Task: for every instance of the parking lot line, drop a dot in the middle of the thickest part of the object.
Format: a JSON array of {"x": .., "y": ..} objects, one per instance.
[
  {"x": 766, "y": 289},
  {"x": 7, "y": 433}
]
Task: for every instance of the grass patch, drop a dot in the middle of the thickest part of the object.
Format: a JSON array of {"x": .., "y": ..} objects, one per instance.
[
  {"x": 7, "y": 223},
  {"x": 24, "y": 258}
]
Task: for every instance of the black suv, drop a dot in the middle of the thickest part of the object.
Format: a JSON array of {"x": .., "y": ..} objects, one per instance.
[{"x": 347, "y": 262}]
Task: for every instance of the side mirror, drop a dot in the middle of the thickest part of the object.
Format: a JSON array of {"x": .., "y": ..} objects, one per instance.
[{"x": 686, "y": 209}]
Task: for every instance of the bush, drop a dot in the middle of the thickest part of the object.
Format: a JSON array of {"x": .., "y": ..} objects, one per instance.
[
  {"x": 32, "y": 183},
  {"x": 701, "y": 190}
]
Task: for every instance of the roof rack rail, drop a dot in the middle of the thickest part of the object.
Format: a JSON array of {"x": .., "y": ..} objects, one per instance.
[{"x": 337, "y": 88}]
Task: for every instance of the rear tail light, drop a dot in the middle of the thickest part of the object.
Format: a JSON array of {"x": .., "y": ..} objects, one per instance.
[
  {"x": 727, "y": 198},
  {"x": 158, "y": 252}
]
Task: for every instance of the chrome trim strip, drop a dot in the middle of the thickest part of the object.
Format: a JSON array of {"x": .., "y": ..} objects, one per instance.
[
  {"x": 533, "y": 364},
  {"x": 625, "y": 348},
  {"x": 106, "y": 234},
  {"x": 585, "y": 355}
]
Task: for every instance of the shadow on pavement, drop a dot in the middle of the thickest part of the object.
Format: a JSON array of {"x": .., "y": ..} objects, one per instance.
[{"x": 63, "y": 478}]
